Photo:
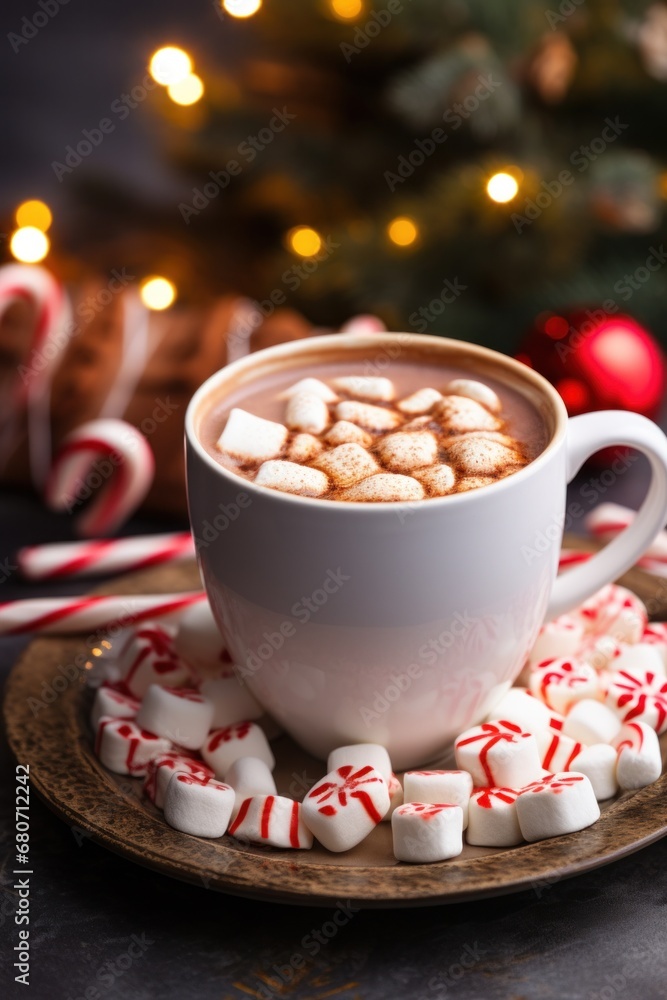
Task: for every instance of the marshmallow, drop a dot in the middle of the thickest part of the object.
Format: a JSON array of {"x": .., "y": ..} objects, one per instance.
[
  {"x": 343, "y": 808},
  {"x": 526, "y": 711},
  {"x": 249, "y": 776},
  {"x": 111, "y": 701},
  {"x": 198, "y": 641},
  {"x": 288, "y": 477},
  {"x": 251, "y": 439},
  {"x": 454, "y": 787},
  {"x": 466, "y": 483},
  {"x": 201, "y": 807},
  {"x": 639, "y": 696},
  {"x": 600, "y": 652},
  {"x": 640, "y": 656},
  {"x": 161, "y": 768},
  {"x": 125, "y": 748},
  {"x": 557, "y": 804},
  {"x": 421, "y": 401},
  {"x": 307, "y": 412},
  {"x": 232, "y": 701},
  {"x": 313, "y": 386},
  {"x": 498, "y": 754},
  {"x": 481, "y": 457},
  {"x": 556, "y": 750},
  {"x": 384, "y": 486},
  {"x": 395, "y": 789},
  {"x": 478, "y": 391},
  {"x": 639, "y": 758},
  {"x": 345, "y": 432},
  {"x": 244, "y": 739},
  {"x": 561, "y": 683},
  {"x": 373, "y": 418},
  {"x": 360, "y": 754},
  {"x": 458, "y": 414},
  {"x": 150, "y": 658},
  {"x": 373, "y": 388},
  {"x": 181, "y": 715},
  {"x": 423, "y": 832},
  {"x": 438, "y": 479},
  {"x": 403, "y": 452},
  {"x": 303, "y": 448},
  {"x": 589, "y": 721},
  {"x": 561, "y": 637},
  {"x": 347, "y": 464},
  {"x": 272, "y": 820},
  {"x": 493, "y": 821},
  {"x": 598, "y": 763}
]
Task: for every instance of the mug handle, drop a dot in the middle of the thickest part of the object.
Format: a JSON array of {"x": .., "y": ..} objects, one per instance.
[{"x": 587, "y": 434}]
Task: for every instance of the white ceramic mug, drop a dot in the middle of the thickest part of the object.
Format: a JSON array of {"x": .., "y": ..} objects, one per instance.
[{"x": 400, "y": 623}]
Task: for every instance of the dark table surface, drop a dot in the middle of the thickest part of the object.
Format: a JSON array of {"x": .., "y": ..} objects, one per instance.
[{"x": 104, "y": 929}]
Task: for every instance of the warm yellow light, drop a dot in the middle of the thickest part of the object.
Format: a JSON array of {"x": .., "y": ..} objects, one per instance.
[
  {"x": 502, "y": 187},
  {"x": 305, "y": 241},
  {"x": 241, "y": 8},
  {"x": 402, "y": 231},
  {"x": 170, "y": 65},
  {"x": 29, "y": 245},
  {"x": 186, "y": 91},
  {"x": 34, "y": 213},
  {"x": 157, "y": 293},
  {"x": 346, "y": 9}
]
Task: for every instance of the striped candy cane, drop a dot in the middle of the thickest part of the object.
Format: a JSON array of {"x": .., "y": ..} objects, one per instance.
[{"x": 103, "y": 556}]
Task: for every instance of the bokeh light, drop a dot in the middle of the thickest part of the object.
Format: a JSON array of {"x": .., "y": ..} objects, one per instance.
[
  {"x": 157, "y": 293},
  {"x": 502, "y": 187},
  {"x": 241, "y": 8},
  {"x": 346, "y": 10},
  {"x": 187, "y": 91},
  {"x": 402, "y": 231},
  {"x": 34, "y": 213},
  {"x": 170, "y": 65},
  {"x": 29, "y": 245},
  {"x": 304, "y": 241}
]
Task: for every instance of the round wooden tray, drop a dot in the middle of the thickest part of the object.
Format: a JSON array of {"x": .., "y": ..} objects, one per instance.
[{"x": 57, "y": 744}]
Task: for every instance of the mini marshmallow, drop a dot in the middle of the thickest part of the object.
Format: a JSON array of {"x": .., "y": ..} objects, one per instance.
[
  {"x": 125, "y": 748},
  {"x": 181, "y": 715},
  {"x": 360, "y": 754},
  {"x": 639, "y": 696},
  {"x": 478, "y": 391},
  {"x": 557, "y": 804},
  {"x": 466, "y": 483},
  {"x": 493, "y": 820},
  {"x": 561, "y": 683},
  {"x": 438, "y": 479},
  {"x": 251, "y": 439},
  {"x": 395, "y": 789},
  {"x": 589, "y": 721},
  {"x": 526, "y": 711},
  {"x": 556, "y": 639},
  {"x": 639, "y": 656},
  {"x": 313, "y": 386},
  {"x": 345, "y": 432},
  {"x": 201, "y": 807},
  {"x": 249, "y": 776},
  {"x": 303, "y": 448},
  {"x": 272, "y": 820},
  {"x": 373, "y": 388},
  {"x": 307, "y": 412},
  {"x": 161, "y": 768},
  {"x": 112, "y": 702},
  {"x": 232, "y": 701},
  {"x": 600, "y": 652},
  {"x": 421, "y": 401},
  {"x": 498, "y": 754},
  {"x": 403, "y": 451},
  {"x": 198, "y": 641},
  {"x": 454, "y": 787},
  {"x": 480, "y": 457},
  {"x": 244, "y": 739},
  {"x": 639, "y": 759},
  {"x": 343, "y": 808},
  {"x": 347, "y": 464},
  {"x": 373, "y": 418},
  {"x": 288, "y": 477},
  {"x": 458, "y": 414},
  {"x": 384, "y": 486},
  {"x": 423, "y": 832},
  {"x": 557, "y": 751},
  {"x": 598, "y": 763},
  {"x": 150, "y": 658}
]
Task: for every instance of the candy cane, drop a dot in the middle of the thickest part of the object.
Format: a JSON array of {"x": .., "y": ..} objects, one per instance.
[
  {"x": 102, "y": 556},
  {"x": 69, "y": 615},
  {"x": 28, "y": 283},
  {"x": 122, "y": 455}
]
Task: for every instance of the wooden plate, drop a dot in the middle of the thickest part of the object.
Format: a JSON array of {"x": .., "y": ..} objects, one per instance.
[{"x": 57, "y": 744}]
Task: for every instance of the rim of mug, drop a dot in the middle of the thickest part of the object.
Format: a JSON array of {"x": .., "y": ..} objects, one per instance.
[{"x": 375, "y": 340}]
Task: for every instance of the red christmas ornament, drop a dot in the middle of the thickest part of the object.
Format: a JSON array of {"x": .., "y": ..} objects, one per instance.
[{"x": 597, "y": 361}]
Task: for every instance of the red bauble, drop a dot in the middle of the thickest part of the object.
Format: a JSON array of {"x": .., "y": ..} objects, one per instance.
[{"x": 597, "y": 361}]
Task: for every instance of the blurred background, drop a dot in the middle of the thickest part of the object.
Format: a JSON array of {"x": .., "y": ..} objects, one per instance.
[{"x": 495, "y": 172}]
